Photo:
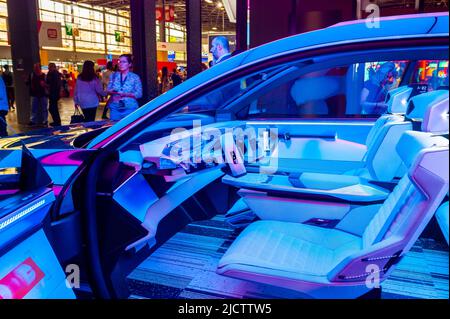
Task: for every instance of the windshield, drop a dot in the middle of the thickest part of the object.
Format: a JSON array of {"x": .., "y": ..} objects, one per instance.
[{"x": 222, "y": 97}]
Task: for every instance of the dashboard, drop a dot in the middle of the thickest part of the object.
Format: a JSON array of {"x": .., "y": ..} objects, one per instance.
[
  {"x": 187, "y": 151},
  {"x": 173, "y": 170}
]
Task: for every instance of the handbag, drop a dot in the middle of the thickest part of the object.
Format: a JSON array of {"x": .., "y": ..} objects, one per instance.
[{"x": 77, "y": 116}]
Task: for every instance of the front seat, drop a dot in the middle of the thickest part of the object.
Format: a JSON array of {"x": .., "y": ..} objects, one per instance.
[
  {"x": 346, "y": 261},
  {"x": 385, "y": 133},
  {"x": 311, "y": 93},
  {"x": 387, "y": 130}
]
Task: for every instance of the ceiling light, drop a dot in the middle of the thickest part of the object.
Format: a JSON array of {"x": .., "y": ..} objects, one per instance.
[
  {"x": 209, "y": 1},
  {"x": 219, "y": 4}
]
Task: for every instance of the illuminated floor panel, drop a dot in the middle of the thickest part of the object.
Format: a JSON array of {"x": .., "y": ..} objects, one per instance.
[{"x": 184, "y": 267}]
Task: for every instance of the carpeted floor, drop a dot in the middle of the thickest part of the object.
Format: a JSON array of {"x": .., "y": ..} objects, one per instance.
[{"x": 184, "y": 267}]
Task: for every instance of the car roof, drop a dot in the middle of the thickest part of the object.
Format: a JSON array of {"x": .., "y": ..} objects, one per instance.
[
  {"x": 394, "y": 26},
  {"x": 419, "y": 25}
]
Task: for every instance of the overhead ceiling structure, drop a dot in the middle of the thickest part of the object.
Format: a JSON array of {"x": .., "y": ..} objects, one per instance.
[
  {"x": 215, "y": 13},
  {"x": 220, "y": 15},
  {"x": 402, "y": 4}
]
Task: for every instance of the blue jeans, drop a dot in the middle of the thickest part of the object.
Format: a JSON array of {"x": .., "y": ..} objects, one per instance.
[
  {"x": 117, "y": 113},
  {"x": 39, "y": 111}
]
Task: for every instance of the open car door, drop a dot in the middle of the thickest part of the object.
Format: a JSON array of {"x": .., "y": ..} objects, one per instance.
[{"x": 29, "y": 267}]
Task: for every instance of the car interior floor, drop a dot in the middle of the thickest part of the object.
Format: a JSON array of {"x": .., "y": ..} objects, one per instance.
[{"x": 185, "y": 267}]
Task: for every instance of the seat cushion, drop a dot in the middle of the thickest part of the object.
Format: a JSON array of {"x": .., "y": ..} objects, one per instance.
[{"x": 296, "y": 250}]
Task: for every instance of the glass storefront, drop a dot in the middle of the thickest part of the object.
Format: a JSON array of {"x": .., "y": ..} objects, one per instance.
[
  {"x": 91, "y": 29},
  {"x": 3, "y": 23},
  {"x": 87, "y": 28}
]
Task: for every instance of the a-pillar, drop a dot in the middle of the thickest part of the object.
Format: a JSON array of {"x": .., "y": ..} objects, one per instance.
[
  {"x": 194, "y": 37},
  {"x": 143, "y": 33},
  {"x": 24, "y": 41}
]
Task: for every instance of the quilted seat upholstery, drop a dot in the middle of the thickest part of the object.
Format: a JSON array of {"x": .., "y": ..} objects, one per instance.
[{"x": 292, "y": 248}]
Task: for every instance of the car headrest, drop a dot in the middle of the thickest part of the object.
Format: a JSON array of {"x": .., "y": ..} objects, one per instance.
[
  {"x": 431, "y": 109},
  {"x": 397, "y": 99},
  {"x": 315, "y": 88},
  {"x": 412, "y": 142}
]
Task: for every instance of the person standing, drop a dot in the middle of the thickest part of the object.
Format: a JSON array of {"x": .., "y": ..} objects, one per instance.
[
  {"x": 220, "y": 49},
  {"x": 106, "y": 77},
  {"x": 8, "y": 79},
  {"x": 39, "y": 101},
  {"x": 176, "y": 78},
  {"x": 88, "y": 88},
  {"x": 4, "y": 107},
  {"x": 106, "y": 74},
  {"x": 165, "y": 80},
  {"x": 71, "y": 82},
  {"x": 65, "y": 85},
  {"x": 375, "y": 89},
  {"x": 125, "y": 88},
  {"x": 54, "y": 84}
]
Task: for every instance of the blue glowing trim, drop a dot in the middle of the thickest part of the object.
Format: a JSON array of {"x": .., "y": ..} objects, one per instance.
[{"x": 23, "y": 213}]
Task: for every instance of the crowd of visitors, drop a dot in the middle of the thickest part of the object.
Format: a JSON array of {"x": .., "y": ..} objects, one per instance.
[{"x": 116, "y": 86}]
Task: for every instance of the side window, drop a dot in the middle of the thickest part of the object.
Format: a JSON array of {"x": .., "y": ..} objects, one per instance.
[
  {"x": 353, "y": 90},
  {"x": 219, "y": 98},
  {"x": 379, "y": 79},
  {"x": 433, "y": 73},
  {"x": 315, "y": 94},
  {"x": 345, "y": 91}
]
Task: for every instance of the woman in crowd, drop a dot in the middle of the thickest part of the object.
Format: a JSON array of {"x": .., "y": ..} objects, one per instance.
[
  {"x": 88, "y": 88},
  {"x": 165, "y": 80},
  {"x": 125, "y": 88}
]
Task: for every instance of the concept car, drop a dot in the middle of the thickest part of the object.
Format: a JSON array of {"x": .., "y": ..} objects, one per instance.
[{"x": 307, "y": 167}]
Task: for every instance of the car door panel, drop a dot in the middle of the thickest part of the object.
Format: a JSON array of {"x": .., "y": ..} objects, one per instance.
[
  {"x": 318, "y": 145},
  {"x": 29, "y": 267}
]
